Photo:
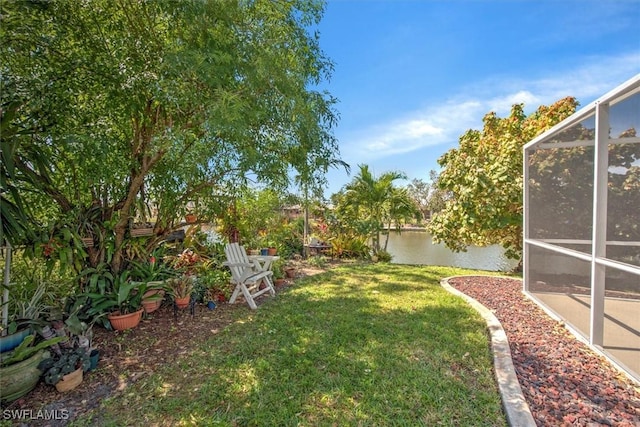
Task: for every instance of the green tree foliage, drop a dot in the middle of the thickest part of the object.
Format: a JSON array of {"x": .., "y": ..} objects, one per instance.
[
  {"x": 419, "y": 191},
  {"x": 484, "y": 178},
  {"x": 437, "y": 196},
  {"x": 369, "y": 203},
  {"x": 428, "y": 196},
  {"x": 160, "y": 103}
]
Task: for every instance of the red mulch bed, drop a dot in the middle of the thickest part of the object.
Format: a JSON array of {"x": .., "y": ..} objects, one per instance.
[{"x": 564, "y": 382}]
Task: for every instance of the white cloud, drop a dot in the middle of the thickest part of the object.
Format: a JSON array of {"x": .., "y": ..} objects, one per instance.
[
  {"x": 398, "y": 137},
  {"x": 502, "y": 104},
  {"x": 597, "y": 76},
  {"x": 433, "y": 126},
  {"x": 446, "y": 122}
]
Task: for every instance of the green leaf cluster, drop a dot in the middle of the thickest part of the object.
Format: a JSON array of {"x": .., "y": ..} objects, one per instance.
[
  {"x": 118, "y": 107},
  {"x": 483, "y": 178},
  {"x": 368, "y": 204}
]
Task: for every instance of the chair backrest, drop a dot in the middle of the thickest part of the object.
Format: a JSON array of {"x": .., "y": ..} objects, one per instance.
[{"x": 236, "y": 255}]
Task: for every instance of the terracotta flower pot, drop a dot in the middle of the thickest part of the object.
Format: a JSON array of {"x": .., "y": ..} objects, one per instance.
[
  {"x": 152, "y": 300},
  {"x": 272, "y": 251},
  {"x": 190, "y": 218},
  {"x": 70, "y": 381},
  {"x": 120, "y": 322},
  {"x": 183, "y": 302}
]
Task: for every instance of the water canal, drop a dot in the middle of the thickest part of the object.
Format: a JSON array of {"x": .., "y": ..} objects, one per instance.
[{"x": 417, "y": 247}]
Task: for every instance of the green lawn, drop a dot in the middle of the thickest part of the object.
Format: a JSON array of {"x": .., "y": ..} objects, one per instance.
[{"x": 369, "y": 345}]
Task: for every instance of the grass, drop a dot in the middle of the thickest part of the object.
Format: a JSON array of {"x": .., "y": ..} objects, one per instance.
[{"x": 365, "y": 345}]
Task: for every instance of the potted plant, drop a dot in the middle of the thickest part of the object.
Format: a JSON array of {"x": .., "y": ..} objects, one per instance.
[
  {"x": 278, "y": 271},
  {"x": 19, "y": 371},
  {"x": 85, "y": 221},
  {"x": 181, "y": 288},
  {"x": 141, "y": 229},
  {"x": 122, "y": 303},
  {"x": 154, "y": 273},
  {"x": 153, "y": 270},
  {"x": 25, "y": 317},
  {"x": 216, "y": 282},
  {"x": 272, "y": 248},
  {"x": 65, "y": 371},
  {"x": 79, "y": 322}
]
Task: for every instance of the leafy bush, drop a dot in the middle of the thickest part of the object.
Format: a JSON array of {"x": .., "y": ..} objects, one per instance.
[
  {"x": 350, "y": 246},
  {"x": 383, "y": 256}
]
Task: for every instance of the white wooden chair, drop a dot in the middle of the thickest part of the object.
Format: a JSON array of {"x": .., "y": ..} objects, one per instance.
[{"x": 246, "y": 276}]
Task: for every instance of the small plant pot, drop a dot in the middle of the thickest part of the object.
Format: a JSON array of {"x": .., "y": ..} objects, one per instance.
[
  {"x": 183, "y": 302},
  {"x": 279, "y": 282},
  {"x": 9, "y": 342},
  {"x": 190, "y": 218},
  {"x": 120, "y": 322},
  {"x": 272, "y": 251},
  {"x": 290, "y": 272},
  {"x": 70, "y": 381},
  {"x": 94, "y": 357},
  {"x": 264, "y": 251},
  {"x": 152, "y": 300},
  {"x": 211, "y": 305}
]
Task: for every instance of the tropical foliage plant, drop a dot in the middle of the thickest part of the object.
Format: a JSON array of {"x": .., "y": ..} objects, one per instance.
[{"x": 369, "y": 204}]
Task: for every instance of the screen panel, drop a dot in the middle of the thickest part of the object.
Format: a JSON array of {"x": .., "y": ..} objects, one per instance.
[
  {"x": 563, "y": 284},
  {"x": 622, "y": 318}
]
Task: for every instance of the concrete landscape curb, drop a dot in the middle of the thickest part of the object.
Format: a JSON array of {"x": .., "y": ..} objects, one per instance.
[{"x": 515, "y": 407}]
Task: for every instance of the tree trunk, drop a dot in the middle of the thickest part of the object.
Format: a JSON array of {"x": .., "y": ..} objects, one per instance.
[{"x": 386, "y": 241}]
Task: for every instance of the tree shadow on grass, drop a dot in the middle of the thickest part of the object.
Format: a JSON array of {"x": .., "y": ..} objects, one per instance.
[{"x": 335, "y": 350}]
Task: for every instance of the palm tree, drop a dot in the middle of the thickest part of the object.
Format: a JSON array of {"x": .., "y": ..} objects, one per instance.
[
  {"x": 401, "y": 208},
  {"x": 376, "y": 202}
]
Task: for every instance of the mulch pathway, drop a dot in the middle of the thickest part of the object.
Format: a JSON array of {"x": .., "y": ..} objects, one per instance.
[{"x": 564, "y": 382}]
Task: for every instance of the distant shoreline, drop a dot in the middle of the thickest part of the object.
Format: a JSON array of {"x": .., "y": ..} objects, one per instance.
[{"x": 407, "y": 228}]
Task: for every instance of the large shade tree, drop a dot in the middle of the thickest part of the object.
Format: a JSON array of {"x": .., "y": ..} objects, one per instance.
[
  {"x": 175, "y": 103},
  {"x": 483, "y": 178}
]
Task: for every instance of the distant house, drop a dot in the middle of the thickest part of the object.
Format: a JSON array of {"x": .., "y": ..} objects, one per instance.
[{"x": 293, "y": 211}]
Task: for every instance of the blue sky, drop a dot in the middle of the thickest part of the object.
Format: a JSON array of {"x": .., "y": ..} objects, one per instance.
[{"x": 412, "y": 76}]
